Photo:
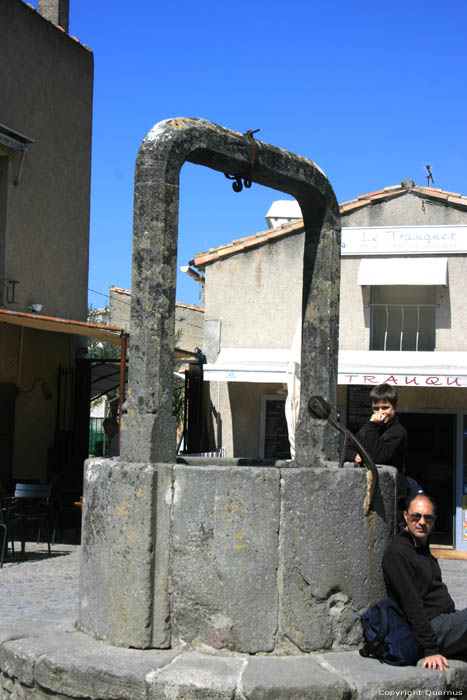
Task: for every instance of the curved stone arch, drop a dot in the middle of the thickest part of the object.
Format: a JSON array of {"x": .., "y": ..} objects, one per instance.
[{"x": 148, "y": 429}]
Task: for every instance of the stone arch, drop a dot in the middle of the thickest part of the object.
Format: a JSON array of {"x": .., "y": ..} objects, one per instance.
[{"x": 148, "y": 430}]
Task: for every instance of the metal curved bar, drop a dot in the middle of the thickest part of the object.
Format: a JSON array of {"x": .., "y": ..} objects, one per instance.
[{"x": 319, "y": 408}]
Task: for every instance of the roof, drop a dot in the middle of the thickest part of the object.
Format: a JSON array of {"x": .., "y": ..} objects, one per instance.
[
  {"x": 57, "y": 26},
  {"x": 214, "y": 254},
  {"x": 435, "y": 194},
  {"x": 179, "y": 304},
  {"x": 363, "y": 200}
]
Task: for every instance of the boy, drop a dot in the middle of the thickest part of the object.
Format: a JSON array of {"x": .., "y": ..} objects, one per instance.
[{"x": 383, "y": 436}]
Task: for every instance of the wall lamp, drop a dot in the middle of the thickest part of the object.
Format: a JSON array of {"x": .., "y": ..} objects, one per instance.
[{"x": 46, "y": 393}]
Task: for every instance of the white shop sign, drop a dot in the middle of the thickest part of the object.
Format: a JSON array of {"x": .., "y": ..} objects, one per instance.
[
  {"x": 403, "y": 240},
  {"x": 370, "y": 379}
]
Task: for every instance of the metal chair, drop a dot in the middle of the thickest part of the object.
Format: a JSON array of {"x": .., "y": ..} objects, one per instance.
[
  {"x": 7, "y": 520},
  {"x": 4, "y": 530},
  {"x": 32, "y": 507}
]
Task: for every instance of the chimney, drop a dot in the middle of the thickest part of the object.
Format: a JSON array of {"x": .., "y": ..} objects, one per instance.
[{"x": 56, "y": 11}]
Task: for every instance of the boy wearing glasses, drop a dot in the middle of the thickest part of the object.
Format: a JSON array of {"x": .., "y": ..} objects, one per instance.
[{"x": 413, "y": 581}]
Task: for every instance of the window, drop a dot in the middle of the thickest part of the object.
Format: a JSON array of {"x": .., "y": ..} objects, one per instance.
[{"x": 403, "y": 317}]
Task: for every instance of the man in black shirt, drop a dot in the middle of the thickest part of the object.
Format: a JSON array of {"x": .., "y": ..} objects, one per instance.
[{"x": 413, "y": 581}]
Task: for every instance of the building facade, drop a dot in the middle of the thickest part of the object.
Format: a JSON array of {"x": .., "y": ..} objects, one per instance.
[
  {"x": 402, "y": 320},
  {"x": 189, "y": 319},
  {"x": 46, "y": 83}
]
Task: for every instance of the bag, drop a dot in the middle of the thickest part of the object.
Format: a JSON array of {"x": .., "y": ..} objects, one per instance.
[{"x": 388, "y": 635}]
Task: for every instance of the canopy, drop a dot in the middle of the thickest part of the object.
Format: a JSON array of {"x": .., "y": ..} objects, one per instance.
[
  {"x": 108, "y": 334},
  {"x": 261, "y": 365},
  {"x": 432, "y": 369},
  {"x": 402, "y": 271}
]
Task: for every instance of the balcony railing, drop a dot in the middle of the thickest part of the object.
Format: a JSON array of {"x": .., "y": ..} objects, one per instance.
[{"x": 403, "y": 326}]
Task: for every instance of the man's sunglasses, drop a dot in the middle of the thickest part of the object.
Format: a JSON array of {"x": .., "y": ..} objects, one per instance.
[{"x": 415, "y": 517}]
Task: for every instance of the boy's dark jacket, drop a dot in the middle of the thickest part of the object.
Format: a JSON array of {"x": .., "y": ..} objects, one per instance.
[{"x": 386, "y": 443}]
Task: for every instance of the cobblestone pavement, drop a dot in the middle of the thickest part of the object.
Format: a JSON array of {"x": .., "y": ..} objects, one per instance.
[
  {"x": 40, "y": 587},
  {"x": 43, "y": 588}
]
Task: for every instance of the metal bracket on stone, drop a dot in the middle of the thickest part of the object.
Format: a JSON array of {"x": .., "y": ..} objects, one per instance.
[
  {"x": 238, "y": 185},
  {"x": 320, "y": 409}
]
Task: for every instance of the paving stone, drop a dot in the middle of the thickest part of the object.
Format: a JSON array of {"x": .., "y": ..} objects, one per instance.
[
  {"x": 97, "y": 670},
  {"x": 193, "y": 676},
  {"x": 18, "y": 657},
  {"x": 293, "y": 677},
  {"x": 370, "y": 679}
]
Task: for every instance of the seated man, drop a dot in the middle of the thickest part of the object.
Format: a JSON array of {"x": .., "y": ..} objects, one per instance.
[{"x": 413, "y": 581}]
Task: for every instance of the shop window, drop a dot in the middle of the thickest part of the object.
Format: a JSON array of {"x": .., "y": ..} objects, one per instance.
[{"x": 403, "y": 318}]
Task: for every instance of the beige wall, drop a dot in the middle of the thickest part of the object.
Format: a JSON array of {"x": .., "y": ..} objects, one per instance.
[
  {"x": 451, "y": 313},
  {"x": 257, "y": 298},
  {"x": 354, "y": 312},
  {"x": 257, "y": 295},
  {"x": 189, "y": 319},
  {"x": 451, "y": 318},
  {"x": 33, "y": 354},
  {"x": 240, "y": 411},
  {"x": 46, "y": 83},
  {"x": 46, "y": 86}
]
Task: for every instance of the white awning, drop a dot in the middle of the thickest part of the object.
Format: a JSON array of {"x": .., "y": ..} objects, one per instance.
[
  {"x": 260, "y": 365},
  {"x": 398, "y": 271},
  {"x": 432, "y": 369},
  {"x": 367, "y": 367}
]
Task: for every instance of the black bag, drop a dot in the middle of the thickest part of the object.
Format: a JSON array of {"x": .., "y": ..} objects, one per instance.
[{"x": 388, "y": 635}]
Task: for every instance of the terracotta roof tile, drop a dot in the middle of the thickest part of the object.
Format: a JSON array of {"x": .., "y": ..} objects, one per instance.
[
  {"x": 57, "y": 26},
  {"x": 457, "y": 199},
  {"x": 120, "y": 290},
  {"x": 386, "y": 195},
  {"x": 348, "y": 206}
]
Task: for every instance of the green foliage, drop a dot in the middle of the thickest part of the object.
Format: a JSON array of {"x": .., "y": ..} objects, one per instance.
[
  {"x": 97, "y": 349},
  {"x": 179, "y": 404}
]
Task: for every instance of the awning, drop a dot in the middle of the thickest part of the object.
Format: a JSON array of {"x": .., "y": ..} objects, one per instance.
[
  {"x": 427, "y": 369},
  {"x": 264, "y": 366},
  {"x": 105, "y": 376},
  {"x": 364, "y": 367},
  {"x": 398, "y": 271},
  {"x": 108, "y": 334},
  {"x": 99, "y": 331}
]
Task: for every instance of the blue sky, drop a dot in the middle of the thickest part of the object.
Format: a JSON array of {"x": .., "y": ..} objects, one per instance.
[{"x": 372, "y": 92}]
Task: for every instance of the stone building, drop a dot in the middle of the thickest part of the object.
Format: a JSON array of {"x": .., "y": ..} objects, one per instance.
[
  {"x": 189, "y": 319},
  {"x": 402, "y": 320},
  {"x": 46, "y": 83}
]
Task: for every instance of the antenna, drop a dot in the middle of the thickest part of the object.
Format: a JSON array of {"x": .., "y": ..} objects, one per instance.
[{"x": 429, "y": 176}]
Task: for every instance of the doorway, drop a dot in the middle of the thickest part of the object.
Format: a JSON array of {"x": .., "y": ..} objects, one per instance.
[{"x": 431, "y": 461}]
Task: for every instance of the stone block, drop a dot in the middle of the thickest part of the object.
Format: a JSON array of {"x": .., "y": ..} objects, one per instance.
[
  {"x": 196, "y": 677},
  {"x": 18, "y": 657},
  {"x": 331, "y": 553},
  {"x": 223, "y": 571},
  {"x": 121, "y": 517},
  {"x": 370, "y": 679},
  {"x": 294, "y": 678},
  {"x": 99, "y": 672},
  {"x": 456, "y": 676}
]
